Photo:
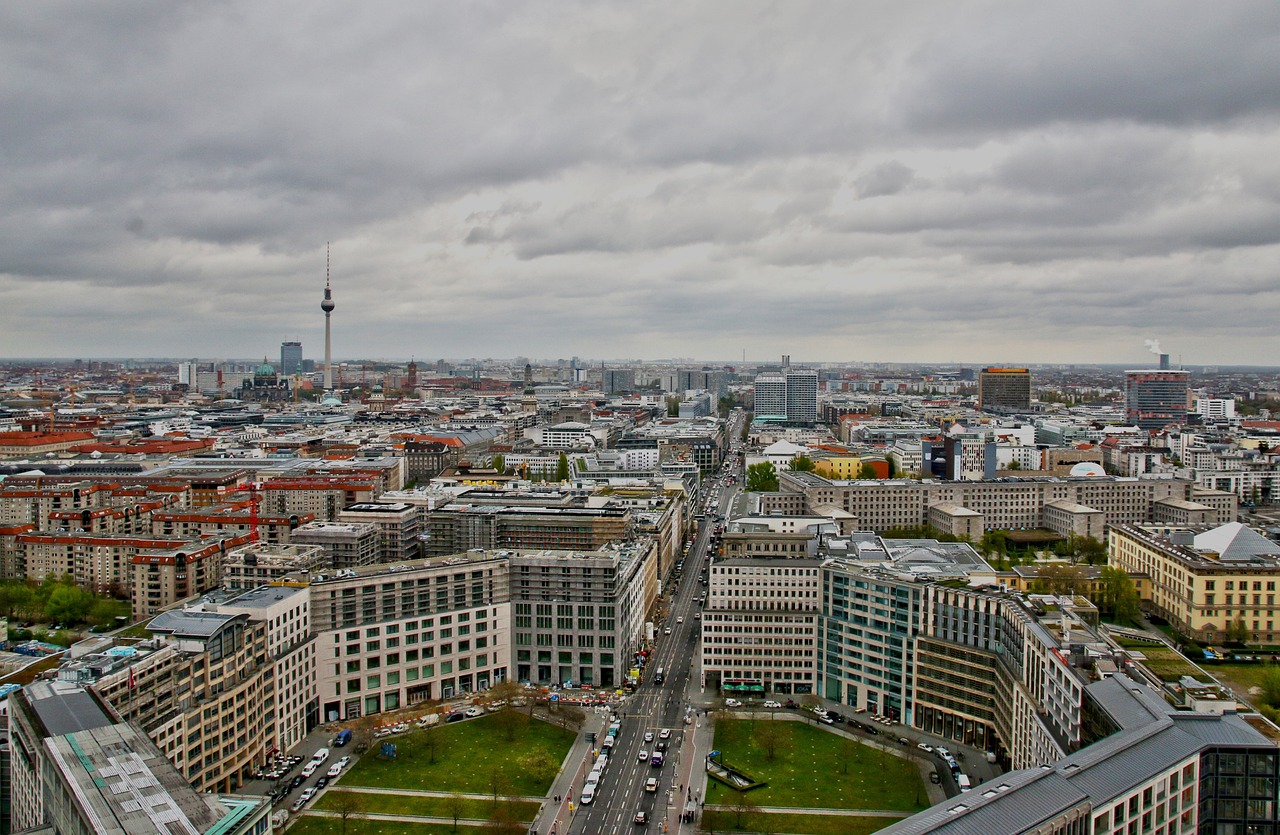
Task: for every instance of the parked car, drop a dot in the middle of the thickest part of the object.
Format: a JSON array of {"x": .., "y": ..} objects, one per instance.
[
  {"x": 928, "y": 749},
  {"x": 934, "y": 777},
  {"x": 732, "y": 703},
  {"x": 770, "y": 703},
  {"x": 473, "y": 712},
  {"x": 321, "y": 783}
]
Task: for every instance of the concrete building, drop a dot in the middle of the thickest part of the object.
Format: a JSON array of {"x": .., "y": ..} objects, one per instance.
[
  {"x": 760, "y": 625},
  {"x": 1155, "y": 770},
  {"x": 399, "y": 525},
  {"x": 79, "y": 769},
  {"x": 345, "y": 544},
  {"x": 162, "y": 578},
  {"x": 1205, "y": 581},
  {"x": 1154, "y": 399},
  {"x": 389, "y": 636},
  {"x": 463, "y": 526},
  {"x": 257, "y": 565},
  {"x": 579, "y": 615},
  {"x": 1004, "y": 390}
]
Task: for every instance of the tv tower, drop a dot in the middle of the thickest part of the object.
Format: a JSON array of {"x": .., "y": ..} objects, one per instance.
[{"x": 327, "y": 307}]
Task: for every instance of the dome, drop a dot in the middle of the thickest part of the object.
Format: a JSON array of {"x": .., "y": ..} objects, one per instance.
[
  {"x": 1087, "y": 468},
  {"x": 265, "y": 370},
  {"x": 331, "y": 400}
]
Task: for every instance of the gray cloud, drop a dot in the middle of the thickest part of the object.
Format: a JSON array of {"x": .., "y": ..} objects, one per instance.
[{"x": 1033, "y": 182}]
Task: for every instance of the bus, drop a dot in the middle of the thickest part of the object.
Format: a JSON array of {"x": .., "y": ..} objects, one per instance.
[{"x": 660, "y": 676}]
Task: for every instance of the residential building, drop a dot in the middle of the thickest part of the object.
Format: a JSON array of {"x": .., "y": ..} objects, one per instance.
[
  {"x": 254, "y": 565},
  {"x": 162, "y": 578},
  {"x": 399, "y": 525},
  {"x": 345, "y": 544}
]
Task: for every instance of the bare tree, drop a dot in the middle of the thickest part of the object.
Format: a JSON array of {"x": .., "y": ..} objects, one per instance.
[
  {"x": 347, "y": 804},
  {"x": 744, "y": 809},
  {"x": 433, "y": 740},
  {"x": 455, "y": 804},
  {"x": 848, "y": 750},
  {"x": 497, "y": 781},
  {"x": 771, "y": 737}
]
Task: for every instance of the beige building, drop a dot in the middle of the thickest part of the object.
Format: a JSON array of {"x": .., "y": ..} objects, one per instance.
[
  {"x": 1071, "y": 519},
  {"x": 256, "y": 565},
  {"x": 161, "y": 578},
  {"x": 1206, "y": 580},
  {"x": 388, "y": 637},
  {"x": 956, "y": 520}
]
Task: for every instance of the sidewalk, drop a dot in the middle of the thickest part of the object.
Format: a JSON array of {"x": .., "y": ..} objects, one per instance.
[{"x": 572, "y": 772}]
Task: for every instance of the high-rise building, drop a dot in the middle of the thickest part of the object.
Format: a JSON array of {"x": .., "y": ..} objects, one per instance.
[
  {"x": 290, "y": 358},
  {"x": 790, "y": 395},
  {"x": 1153, "y": 399},
  {"x": 1004, "y": 390},
  {"x": 616, "y": 380},
  {"x": 327, "y": 306}
]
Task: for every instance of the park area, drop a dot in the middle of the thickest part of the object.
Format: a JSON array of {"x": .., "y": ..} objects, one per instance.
[
  {"x": 807, "y": 767},
  {"x": 484, "y": 774}
]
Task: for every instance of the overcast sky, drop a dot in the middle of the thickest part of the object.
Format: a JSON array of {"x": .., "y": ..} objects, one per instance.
[{"x": 842, "y": 181}]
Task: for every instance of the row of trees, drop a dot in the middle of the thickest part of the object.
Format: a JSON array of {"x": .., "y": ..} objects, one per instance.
[{"x": 559, "y": 473}]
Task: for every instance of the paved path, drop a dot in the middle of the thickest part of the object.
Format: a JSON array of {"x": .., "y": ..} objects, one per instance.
[
  {"x": 799, "y": 810},
  {"x": 377, "y": 816},
  {"x": 425, "y": 793}
]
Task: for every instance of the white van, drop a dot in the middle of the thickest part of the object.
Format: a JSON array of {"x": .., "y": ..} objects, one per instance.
[
  {"x": 594, "y": 776},
  {"x": 588, "y": 794},
  {"x": 320, "y": 756},
  {"x": 964, "y": 783}
]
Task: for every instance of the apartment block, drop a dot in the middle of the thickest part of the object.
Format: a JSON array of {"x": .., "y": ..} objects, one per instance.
[
  {"x": 398, "y": 523},
  {"x": 346, "y": 544},
  {"x": 257, "y": 564},
  {"x": 163, "y": 577}
]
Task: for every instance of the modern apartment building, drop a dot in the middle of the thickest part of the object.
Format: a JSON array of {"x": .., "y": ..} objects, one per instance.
[
  {"x": 346, "y": 544},
  {"x": 1206, "y": 580},
  {"x": 790, "y": 395},
  {"x": 398, "y": 524},
  {"x": 256, "y": 564}
]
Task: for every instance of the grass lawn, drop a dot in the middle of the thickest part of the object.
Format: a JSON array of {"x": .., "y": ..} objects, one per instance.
[
  {"x": 310, "y": 825},
  {"x": 1241, "y": 677},
  {"x": 1166, "y": 664},
  {"x": 430, "y": 807},
  {"x": 468, "y": 755},
  {"x": 718, "y": 821},
  {"x": 816, "y": 769}
]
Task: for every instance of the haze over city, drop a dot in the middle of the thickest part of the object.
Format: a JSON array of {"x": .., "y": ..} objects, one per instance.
[{"x": 931, "y": 182}]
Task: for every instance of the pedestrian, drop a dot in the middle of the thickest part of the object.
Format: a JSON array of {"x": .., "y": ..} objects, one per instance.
[{"x": 557, "y": 798}]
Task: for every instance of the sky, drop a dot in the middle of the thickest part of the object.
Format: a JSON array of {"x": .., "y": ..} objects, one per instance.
[{"x": 838, "y": 181}]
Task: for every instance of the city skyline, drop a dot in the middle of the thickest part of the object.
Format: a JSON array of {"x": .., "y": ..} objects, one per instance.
[{"x": 927, "y": 184}]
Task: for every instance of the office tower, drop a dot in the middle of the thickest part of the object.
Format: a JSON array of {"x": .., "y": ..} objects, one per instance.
[
  {"x": 290, "y": 358},
  {"x": 1153, "y": 399},
  {"x": 618, "y": 380},
  {"x": 802, "y": 395},
  {"x": 770, "y": 396},
  {"x": 327, "y": 306},
  {"x": 187, "y": 373},
  {"x": 1004, "y": 390}
]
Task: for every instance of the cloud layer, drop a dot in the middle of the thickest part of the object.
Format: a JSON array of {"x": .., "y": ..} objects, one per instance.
[{"x": 872, "y": 181}]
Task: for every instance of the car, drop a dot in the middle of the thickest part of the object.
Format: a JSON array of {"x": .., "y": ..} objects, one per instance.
[
  {"x": 934, "y": 777},
  {"x": 770, "y": 703},
  {"x": 665, "y": 733},
  {"x": 455, "y": 717},
  {"x": 344, "y": 762},
  {"x": 298, "y": 804},
  {"x": 307, "y": 794},
  {"x": 334, "y": 771},
  {"x": 942, "y": 752},
  {"x": 296, "y": 781},
  {"x": 473, "y": 712},
  {"x": 902, "y": 740},
  {"x": 826, "y": 720},
  {"x": 644, "y": 755},
  {"x": 667, "y": 631},
  {"x": 651, "y": 785},
  {"x": 641, "y": 818},
  {"x": 680, "y": 619},
  {"x": 928, "y": 749},
  {"x": 321, "y": 783},
  {"x": 648, "y": 736},
  {"x": 732, "y": 703},
  {"x": 310, "y": 768},
  {"x": 662, "y": 745}
]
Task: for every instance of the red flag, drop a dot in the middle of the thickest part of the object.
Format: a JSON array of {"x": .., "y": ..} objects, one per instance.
[{"x": 132, "y": 683}]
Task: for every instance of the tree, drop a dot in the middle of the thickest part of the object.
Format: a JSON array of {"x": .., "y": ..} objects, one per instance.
[
  {"x": 1015, "y": 465},
  {"x": 866, "y": 471},
  {"x": 1060, "y": 578},
  {"x": 1270, "y": 685},
  {"x": 562, "y": 467},
  {"x": 454, "y": 805},
  {"x": 504, "y": 820},
  {"x": 539, "y": 764},
  {"x": 762, "y": 478},
  {"x": 893, "y": 467},
  {"x": 1237, "y": 631},
  {"x": 770, "y": 737},
  {"x": 802, "y": 464},
  {"x": 347, "y": 804},
  {"x": 68, "y": 604},
  {"x": 1118, "y": 595},
  {"x": 848, "y": 750},
  {"x": 500, "y": 464},
  {"x": 432, "y": 740},
  {"x": 497, "y": 781},
  {"x": 744, "y": 809}
]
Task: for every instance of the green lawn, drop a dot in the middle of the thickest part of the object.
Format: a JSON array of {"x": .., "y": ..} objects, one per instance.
[
  {"x": 816, "y": 769},
  {"x": 430, "y": 807},
  {"x": 718, "y": 821},
  {"x": 1166, "y": 664},
  {"x": 310, "y": 825},
  {"x": 468, "y": 756},
  {"x": 1240, "y": 677}
]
